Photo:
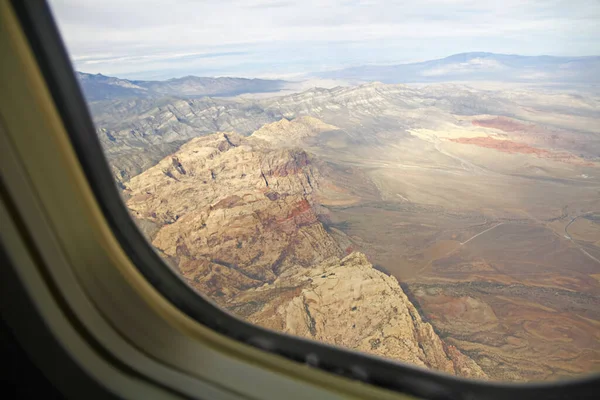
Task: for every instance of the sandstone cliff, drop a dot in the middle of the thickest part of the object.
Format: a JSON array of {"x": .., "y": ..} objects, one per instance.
[
  {"x": 234, "y": 214},
  {"x": 348, "y": 303},
  {"x": 290, "y": 133},
  {"x": 239, "y": 218}
]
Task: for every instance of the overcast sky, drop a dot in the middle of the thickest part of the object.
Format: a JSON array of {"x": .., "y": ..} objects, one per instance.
[{"x": 159, "y": 39}]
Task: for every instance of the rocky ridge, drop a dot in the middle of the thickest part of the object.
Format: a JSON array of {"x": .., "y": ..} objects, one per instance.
[
  {"x": 138, "y": 132},
  {"x": 348, "y": 303},
  {"x": 142, "y": 125},
  {"x": 232, "y": 212},
  {"x": 99, "y": 87},
  {"x": 284, "y": 133},
  {"x": 240, "y": 219}
]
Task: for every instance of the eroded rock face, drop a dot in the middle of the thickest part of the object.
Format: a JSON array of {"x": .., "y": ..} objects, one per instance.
[
  {"x": 238, "y": 217},
  {"x": 286, "y": 133},
  {"x": 232, "y": 212},
  {"x": 348, "y": 303}
]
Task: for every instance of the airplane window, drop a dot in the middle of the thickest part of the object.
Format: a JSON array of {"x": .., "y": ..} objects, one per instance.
[{"x": 419, "y": 182}]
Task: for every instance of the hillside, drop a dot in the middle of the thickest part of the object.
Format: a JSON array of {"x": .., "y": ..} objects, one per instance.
[
  {"x": 136, "y": 133},
  {"x": 240, "y": 219}
]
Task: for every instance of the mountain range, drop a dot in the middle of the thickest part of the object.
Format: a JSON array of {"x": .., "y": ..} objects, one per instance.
[
  {"x": 239, "y": 218},
  {"x": 136, "y": 133},
  {"x": 479, "y": 66},
  {"x": 101, "y": 87},
  {"x": 458, "y": 67}
]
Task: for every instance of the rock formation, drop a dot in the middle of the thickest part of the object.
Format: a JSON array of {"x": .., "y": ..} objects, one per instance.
[
  {"x": 348, "y": 303},
  {"x": 233, "y": 213},
  {"x": 482, "y": 202},
  {"x": 238, "y": 217},
  {"x": 290, "y": 133}
]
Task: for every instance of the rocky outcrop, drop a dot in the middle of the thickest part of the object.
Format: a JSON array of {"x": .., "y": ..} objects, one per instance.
[
  {"x": 233, "y": 213},
  {"x": 239, "y": 218},
  {"x": 290, "y": 133},
  {"x": 348, "y": 303},
  {"x": 137, "y": 133},
  {"x": 130, "y": 126}
]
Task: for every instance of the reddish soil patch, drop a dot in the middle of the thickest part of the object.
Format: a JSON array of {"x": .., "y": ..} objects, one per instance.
[
  {"x": 299, "y": 160},
  {"x": 299, "y": 208},
  {"x": 503, "y": 124},
  {"x": 301, "y": 214},
  {"x": 506, "y": 146}
]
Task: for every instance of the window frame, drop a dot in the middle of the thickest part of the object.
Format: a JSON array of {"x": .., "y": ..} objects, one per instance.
[{"x": 52, "y": 59}]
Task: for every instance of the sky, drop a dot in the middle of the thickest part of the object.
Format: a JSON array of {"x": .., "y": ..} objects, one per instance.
[{"x": 161, "y": 39}]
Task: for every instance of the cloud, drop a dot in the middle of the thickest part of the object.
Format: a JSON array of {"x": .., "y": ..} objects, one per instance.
[
  {"x": 172, "y": 57},
  {"x": 140, "y": 37},
  {"x": 269, "y": 4}
]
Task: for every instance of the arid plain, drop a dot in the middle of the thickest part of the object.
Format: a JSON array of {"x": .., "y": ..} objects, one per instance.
[{"x": 492, "y": 225}]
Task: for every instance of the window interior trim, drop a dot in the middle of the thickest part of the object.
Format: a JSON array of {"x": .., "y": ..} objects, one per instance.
[
  {"x": 100, "y": 227},
  {"x": 94, "y": 275},
  {"x": 37, "y": 187},
  {"x": 42, "y": 326}
]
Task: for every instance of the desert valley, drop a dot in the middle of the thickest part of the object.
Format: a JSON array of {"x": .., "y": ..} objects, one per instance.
[{"x": 455, "y": 226}]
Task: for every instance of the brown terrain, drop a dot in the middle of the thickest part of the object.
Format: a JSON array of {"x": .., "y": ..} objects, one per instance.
[
  {"x": 239, "y": 219},
  {"x": 524, "y": 133},
  {"x": 508, "y": 146},
  {"x": 349, "y": 303},
  {"x": 411, "y": 224},
  {"x": 544, "y": 319},
  {"x": 503, "y": 124}
]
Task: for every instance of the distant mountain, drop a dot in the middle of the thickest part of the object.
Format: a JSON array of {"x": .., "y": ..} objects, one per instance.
[
  {"x": 480, "y": 66},
  {"x": 136, "y": 133},
  {"x": 101, "y": 87},
  {"x": 297, "y": 213}
]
